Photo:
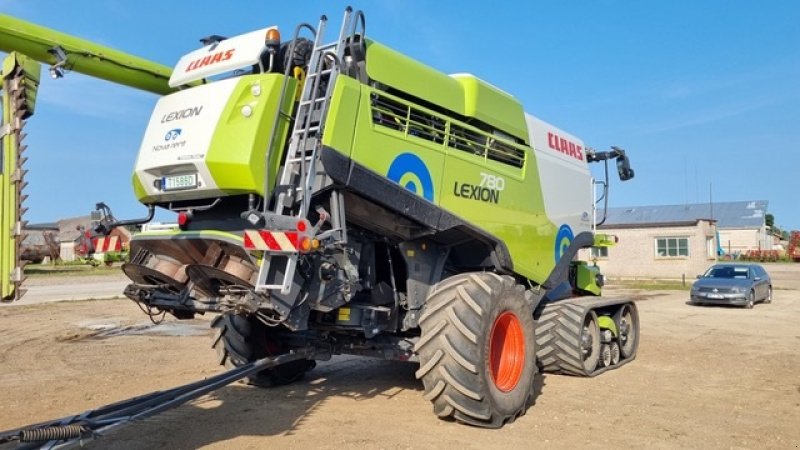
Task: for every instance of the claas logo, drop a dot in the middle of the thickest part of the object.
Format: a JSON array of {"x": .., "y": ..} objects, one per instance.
[
  {"x": 564, "y": 146},
  {"x": 210, "y": 59}
]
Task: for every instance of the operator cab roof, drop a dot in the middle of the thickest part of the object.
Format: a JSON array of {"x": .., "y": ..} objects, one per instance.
[{"x": 220, "y": 56}]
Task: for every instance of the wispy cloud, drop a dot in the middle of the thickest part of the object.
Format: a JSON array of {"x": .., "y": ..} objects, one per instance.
[
  {"x": 704, "y": 116},
  {"x": 79, "y": 94}
]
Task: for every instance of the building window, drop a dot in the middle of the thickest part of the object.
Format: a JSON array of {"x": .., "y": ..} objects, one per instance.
[
  {"x": 599, "y": 252},
  {"x": 672, "y": 247}
]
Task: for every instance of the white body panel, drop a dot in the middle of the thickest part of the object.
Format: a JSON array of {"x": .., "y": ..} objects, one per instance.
[
  {"x": 178, "y": 137},
  {"x": 238, "y": 52},
  {"x": 564, "y": 174}
]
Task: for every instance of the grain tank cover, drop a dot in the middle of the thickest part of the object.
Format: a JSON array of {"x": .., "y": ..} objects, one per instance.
[
  {"x": 462, "y": 94},
  {"x": 240, "y": 52},
  {"x": 492, "y": 105}
]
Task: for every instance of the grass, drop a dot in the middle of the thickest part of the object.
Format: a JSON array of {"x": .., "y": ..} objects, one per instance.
[
  {"x": 651, "y": 285},
  {"x": 45, "y": 270}
]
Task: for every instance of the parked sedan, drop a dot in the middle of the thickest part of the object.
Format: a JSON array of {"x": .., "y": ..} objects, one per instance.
[{"x": 733, "y": 284}]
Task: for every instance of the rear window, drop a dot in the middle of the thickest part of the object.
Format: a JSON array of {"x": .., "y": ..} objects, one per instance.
[{"x": 728, "y": 272}]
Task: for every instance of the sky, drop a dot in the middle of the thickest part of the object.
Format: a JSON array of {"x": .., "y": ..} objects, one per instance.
[{"x": 703, "y": 95}]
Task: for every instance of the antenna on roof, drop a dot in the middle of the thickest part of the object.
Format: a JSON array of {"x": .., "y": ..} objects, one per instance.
[{"x": 711, "y": 199}]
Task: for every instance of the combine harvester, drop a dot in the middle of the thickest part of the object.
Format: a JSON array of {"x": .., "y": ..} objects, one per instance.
[{"x": 341, "y": 198}]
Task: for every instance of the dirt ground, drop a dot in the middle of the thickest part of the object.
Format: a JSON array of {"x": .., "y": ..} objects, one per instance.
[{"x": 705, "y": 377}]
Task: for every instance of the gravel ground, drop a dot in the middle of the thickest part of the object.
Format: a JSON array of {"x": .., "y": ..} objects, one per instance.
[{"x": 705, "y": 377}]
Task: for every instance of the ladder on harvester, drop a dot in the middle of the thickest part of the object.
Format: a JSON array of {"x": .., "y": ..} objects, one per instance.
[{"x": 300, "y": 168}]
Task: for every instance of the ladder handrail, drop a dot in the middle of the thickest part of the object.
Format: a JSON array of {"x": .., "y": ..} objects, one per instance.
[
  {"x": 299, "y": 169},
  {"x": 279, "y": 112},
  {"x": 337, "y": 57}
]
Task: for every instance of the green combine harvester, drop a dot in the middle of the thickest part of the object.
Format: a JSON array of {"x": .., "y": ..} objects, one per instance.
[{"x": 342, "y": 198}]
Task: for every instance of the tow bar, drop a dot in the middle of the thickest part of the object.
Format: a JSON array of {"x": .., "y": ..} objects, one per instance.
[{"x": 76, "y": 430}]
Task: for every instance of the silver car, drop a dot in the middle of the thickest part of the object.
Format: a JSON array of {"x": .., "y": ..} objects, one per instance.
[{"x": 732, "y": 284}]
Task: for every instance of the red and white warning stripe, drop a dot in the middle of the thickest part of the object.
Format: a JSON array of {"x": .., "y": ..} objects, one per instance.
[
  {"x": 276, "y": 241},
  {"x": 107, "y": 244}
]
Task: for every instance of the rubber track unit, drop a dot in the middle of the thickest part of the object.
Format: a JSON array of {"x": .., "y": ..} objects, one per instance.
[
  {"x": 558, "y": 332},
  {"x": 238, "y": 341},
  {"x": 453, "y": 349}
]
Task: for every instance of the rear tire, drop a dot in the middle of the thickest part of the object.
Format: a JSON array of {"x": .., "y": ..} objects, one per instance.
[
  {"x": 239, "y": 340},
  {"x": 477, "y": 349},
  {"x": 768, "y": 299}
]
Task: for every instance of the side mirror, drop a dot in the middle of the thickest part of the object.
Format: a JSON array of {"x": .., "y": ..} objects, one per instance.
[
  {"x": 699, "y": 276},
  {"x": 624, "y": 168}
]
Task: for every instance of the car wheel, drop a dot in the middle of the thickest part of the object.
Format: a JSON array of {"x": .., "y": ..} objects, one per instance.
[
  {"x": 751, "y": 300},
  {"x": 769, "y": 295}
]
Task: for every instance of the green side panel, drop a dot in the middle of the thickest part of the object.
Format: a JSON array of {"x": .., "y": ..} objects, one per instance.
[
  {"x": 411, "y": 145},
  {"x": 515, "y": 213},
  {"x": 139, "y": 192},
  {"x": 342, "y": 115},
  {"x": 493, "y": 106},
  {"x": 607, "y": 323},
  {"x": 377, "y": 148},
  {"x": 586, "y": 279},
  {"x": 405, "y": 74},
  {"x": 83, "y": 56},
  {"x": 237, "y": 150}
]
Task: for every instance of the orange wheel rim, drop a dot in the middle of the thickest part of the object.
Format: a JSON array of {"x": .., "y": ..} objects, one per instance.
[{"x": 506, "y": 351}]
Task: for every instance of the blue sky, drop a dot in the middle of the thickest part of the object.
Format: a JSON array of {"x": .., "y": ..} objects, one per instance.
[{"x": 704, "y": 95}]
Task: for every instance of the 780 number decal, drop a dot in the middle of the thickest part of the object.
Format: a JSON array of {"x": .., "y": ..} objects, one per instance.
[{"x": 488, "y": 190}]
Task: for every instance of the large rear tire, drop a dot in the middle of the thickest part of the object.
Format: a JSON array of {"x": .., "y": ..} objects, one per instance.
[
  {"x": 239, "y": 340},
  {"x": 477, "y": 349}
]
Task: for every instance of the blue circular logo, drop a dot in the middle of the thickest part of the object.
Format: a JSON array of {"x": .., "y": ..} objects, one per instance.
[
  {"x": 564, "y": 237},
  {"x": 409, "y": 171}
]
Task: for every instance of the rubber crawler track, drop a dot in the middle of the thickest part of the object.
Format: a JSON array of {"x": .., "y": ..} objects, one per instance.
[{"x": 558, "y": 331}]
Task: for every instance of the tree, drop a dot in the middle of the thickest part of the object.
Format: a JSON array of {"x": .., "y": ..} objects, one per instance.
[{"x": 770, "y": 220}]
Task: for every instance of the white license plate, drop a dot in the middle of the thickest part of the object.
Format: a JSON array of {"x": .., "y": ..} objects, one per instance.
[
  {"x": 178, "y": 182},
  {"x": 716, "y": 296}
]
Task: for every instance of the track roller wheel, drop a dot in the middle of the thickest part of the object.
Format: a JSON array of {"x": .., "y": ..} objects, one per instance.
[
  {"x": 239, "y": 340},
  {"x": 605, "y": 356},
  {"x": 628, "y": 329},
  {"x": 614, "y": 348},
  {"x": 476, "y": 351}
]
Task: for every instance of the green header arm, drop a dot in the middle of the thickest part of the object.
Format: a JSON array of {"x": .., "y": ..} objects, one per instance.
[{"x": 83, "y": 56}]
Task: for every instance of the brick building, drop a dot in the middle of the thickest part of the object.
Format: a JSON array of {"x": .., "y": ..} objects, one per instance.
[{"x": 673, "y": 241}]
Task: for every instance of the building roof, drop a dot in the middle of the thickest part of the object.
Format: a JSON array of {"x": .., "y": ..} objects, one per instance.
[{"x": 745, "y": 214}]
